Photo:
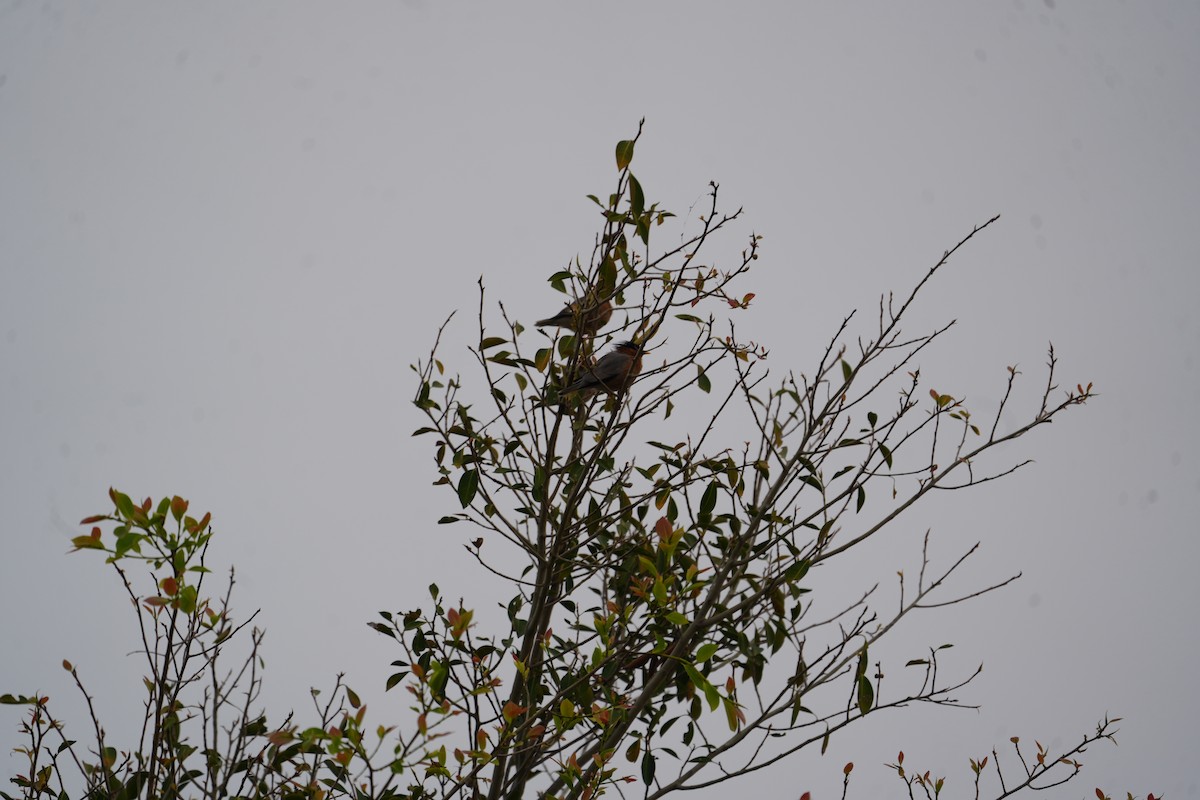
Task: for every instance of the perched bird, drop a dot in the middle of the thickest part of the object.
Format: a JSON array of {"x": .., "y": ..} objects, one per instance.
[
  {"x": 584, "y": 316},
  {"x": 613, "y": 373}
]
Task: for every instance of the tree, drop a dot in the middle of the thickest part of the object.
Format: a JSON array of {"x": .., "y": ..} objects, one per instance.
[{"x": 663, "y": 633}]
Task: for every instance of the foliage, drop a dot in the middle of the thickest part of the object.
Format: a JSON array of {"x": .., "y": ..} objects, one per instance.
[{"x": 661, "y": 542}]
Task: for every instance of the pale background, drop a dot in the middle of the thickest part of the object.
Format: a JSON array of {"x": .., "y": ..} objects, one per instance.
[{"x": 227, "y": 229}]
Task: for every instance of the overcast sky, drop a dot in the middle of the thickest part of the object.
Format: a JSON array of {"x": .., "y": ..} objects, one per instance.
[{"x": 227, "y": 229}]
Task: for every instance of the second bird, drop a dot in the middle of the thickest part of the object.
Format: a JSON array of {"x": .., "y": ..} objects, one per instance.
[
  {"x": 613, "y": 373},
  {"x": 584, "y": 316}
]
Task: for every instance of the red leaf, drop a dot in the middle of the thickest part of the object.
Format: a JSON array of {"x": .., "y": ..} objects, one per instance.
[
  {"x": 663, "y": 527},
  {"x": 90, "y": 520},
  {"x": 848, "y": 768},
  {"x": 278, "y": 738}
]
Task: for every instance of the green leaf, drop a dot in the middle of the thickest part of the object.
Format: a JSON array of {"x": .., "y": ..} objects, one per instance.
[
  {"x": 624, "y": 156},
  {"x": 87, "y": 543},
  {"x": 706, "y": 652},
  {"x": 643, "y": 229},
  {"x": 886, "y": 453},
  {"x": 637, "y": 199},
  {"x": 491, "y": 341},
  {"x": 468, "y": 485},
  {"x": 847, "y": 370},
  {"x": 866, "y": 695},
  {"x": 730, "y": 713},
  {"x": 709, "y": 501},
  {"x": 438, "y": 677},
  {"x": 187, "y": 599},
  {"x": 703, "y": 382},
  {"x": 607, "y": 283},
  {"x": 862, "y": 498},
  {"x": 648, "y": 768},
  {"x": 702, "y": 683},
  {"x": 798, "y": 570},
  {"x": 122, "y": 502}
]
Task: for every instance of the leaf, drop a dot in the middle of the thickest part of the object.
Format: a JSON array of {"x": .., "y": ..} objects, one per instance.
[
  {"x": 637, "y": 198},
  {"x": 491, "y": 341},
  {"x": 663, "y": 527},
  {"x": 648, "y": 768},
  {"x": 702, "y": 683},
  {"x": 122, "y": 502},
  {"x": 731, "y": 713},
  {"x": 709, "y": 501},
  {"x": 607, "y": 278},
  {"x": 706, "y": 652},
  {"x": 886, "y": 453},
  {"x": 778, "y": 604},
  {"x": 512, "y": 711},
  {"x": 847, "y": 370},
  {"x": 624, "y": 155},
  {"x": 468, "y": 485},
  {"x": 703, "y": 382},
  {"x": 87, "y": 543},
  {"x": 187, "y": 599},
  {"x": 866, "y": 695}
]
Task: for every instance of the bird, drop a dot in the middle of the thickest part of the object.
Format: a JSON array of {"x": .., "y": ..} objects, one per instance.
[
  {"x": 584, "y": 316},
  {"x": 613, "y": 373}
]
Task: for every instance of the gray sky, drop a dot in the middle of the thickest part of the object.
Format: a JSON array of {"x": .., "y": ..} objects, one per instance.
[{"x": 227, "y": 229}]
